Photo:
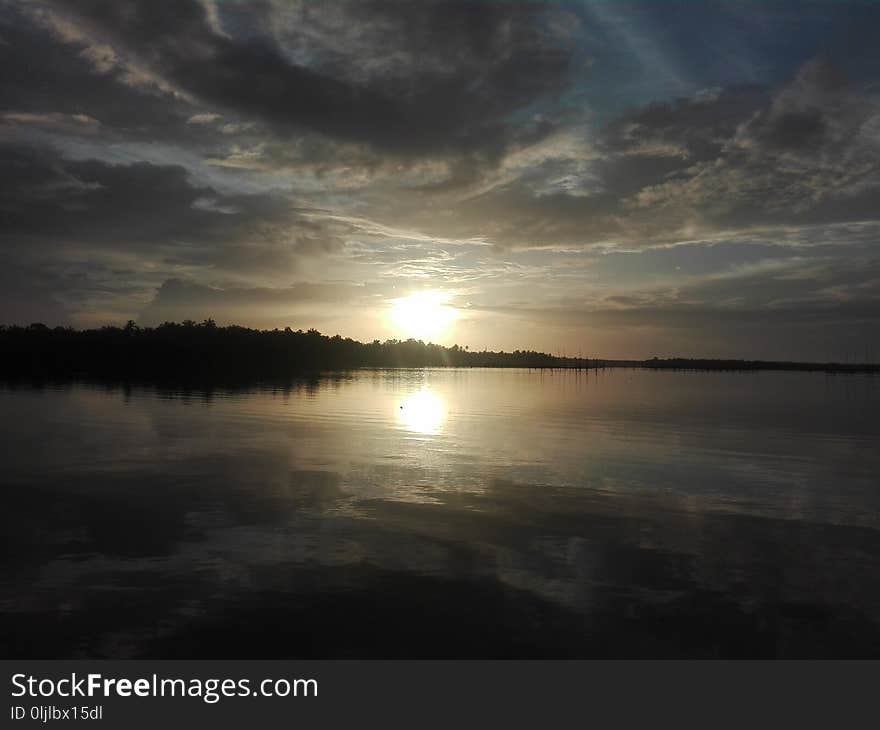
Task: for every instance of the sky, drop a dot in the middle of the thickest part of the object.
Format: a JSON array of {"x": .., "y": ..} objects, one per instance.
[{"x": 607, "y": 178}]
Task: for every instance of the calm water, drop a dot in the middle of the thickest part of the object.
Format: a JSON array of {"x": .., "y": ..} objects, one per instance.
[{"x": 445, "y": 513}]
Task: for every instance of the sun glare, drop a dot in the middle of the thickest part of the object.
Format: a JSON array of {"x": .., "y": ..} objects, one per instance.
[
  {"x": 424, "y": 315},
  {"x": 423, "y": 412}
]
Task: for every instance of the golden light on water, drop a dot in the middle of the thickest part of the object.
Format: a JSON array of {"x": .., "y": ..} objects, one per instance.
[
  {"x": 422, "y": 412},
  {"x": 424, "y": 315}
]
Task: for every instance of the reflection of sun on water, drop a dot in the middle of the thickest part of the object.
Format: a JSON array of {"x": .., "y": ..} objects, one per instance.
[
  {"x": 423, "y": 315},
  {"x": 423, "y": 412}
]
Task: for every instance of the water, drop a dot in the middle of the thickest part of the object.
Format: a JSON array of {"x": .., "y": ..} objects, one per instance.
[{"x": 441, "y": 513}]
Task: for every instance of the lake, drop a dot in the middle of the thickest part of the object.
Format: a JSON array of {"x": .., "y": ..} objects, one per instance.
[{"x": 445, "y": 513}]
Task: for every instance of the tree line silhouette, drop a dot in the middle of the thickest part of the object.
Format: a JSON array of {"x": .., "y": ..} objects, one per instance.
[{"x": 206, "y": 352}]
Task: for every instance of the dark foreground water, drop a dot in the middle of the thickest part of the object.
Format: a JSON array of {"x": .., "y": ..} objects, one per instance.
[{"x": 445, "y": 513}]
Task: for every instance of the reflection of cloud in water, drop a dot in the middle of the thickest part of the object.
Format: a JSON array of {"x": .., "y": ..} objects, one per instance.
[{"x": 423, "y": 412}]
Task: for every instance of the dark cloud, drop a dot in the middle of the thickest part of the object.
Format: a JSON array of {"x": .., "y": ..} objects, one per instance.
[
  {"x": 179, "y": 299},
  {"x": 75, "y": 231},
  {"x": 806, "y": 154},
  {"x": 28, "y": 294},
  {"x": 480, "y": 62},
  {"x": 691, "y": 128},
  {"x": 796, "y": 129},
  {"x": 156, "y": 210},
  {"x": 48, "y": 72},
  {"x": 806, "y": 114},
  {"x": 45, "y": 196},
  {"x": 811, "y": 155}
]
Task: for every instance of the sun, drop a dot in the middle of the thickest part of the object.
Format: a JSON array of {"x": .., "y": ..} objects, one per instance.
[{"x": 424, "y": 315}]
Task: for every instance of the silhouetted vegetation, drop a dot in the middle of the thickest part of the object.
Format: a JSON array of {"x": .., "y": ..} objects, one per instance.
[
  {"x": 205, "y": 352},
  {"x": 679, "y": 363}
]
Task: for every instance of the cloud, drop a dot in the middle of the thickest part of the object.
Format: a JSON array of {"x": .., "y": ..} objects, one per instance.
[
  {"x": 475, "y": 63},
  {"x": 811, "y": 155},
  {"x": 56, "y": 70},
  {"x": 691, "y": 129},
  {"x": 143, "y": 221},
  {"x": 528, "y": 156},
  {"x": 156, "y": 211},
  {"x": 301, "y": 305},
  {"x": 806, "y": 154}
]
